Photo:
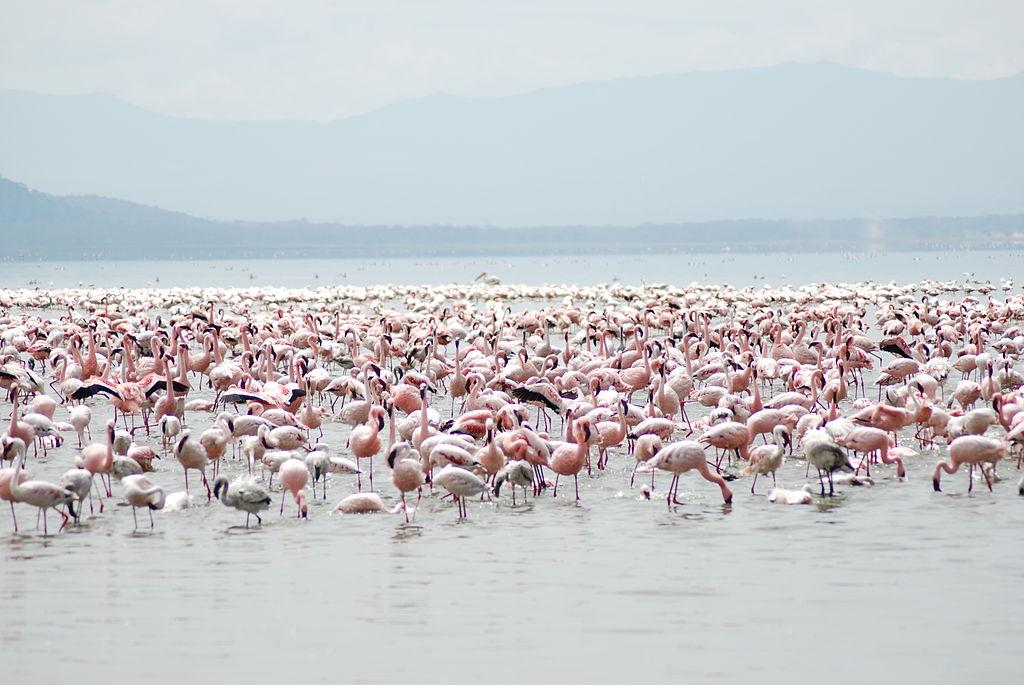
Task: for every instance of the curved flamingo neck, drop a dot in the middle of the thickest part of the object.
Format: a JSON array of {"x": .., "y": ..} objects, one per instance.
[
  {"x": 76, "y": 352},
  {"x": 14, "y": 414},
  {"x": 815, "y": 387},
  {"x": 15, "y": 482},
  {"x": 92, "y": 347},
  {"x": 169, "y": 380},
  {"x": 128, "y": 361}
]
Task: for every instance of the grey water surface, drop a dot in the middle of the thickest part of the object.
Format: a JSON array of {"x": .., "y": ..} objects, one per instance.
[{"x": 734, "y": 268}]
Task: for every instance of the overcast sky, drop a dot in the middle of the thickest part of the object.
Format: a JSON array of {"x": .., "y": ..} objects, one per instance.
[{"x": 256, "y": 59}]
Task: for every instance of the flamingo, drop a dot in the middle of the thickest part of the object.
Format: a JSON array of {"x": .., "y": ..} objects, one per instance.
[
  {"x": 243, "y": 494},
  {"x": 461, "y": 484},
  {"x": 568, "y": 459},
  {"x": 827, "y": 457},
  {"x": 365, "y": 503},
  {"x": 192, "y": 456},
  {"x": 687, "y": 455},
  {"x": 5, "y": 487},
  {"x": 365, "y": 441},
  {"x": 406, "y": 473},
  {"x": 293, "y": 476},
  {"x": 38, "y": 493},
  {"x": 99, "y": 459},
  {"x": 869, "y": 439},
  {"x": 142, "y": 492},
  {"x": 973, "y": 450},
  {"x": 768, "y": 458},
  {"x": 515, "y": 473}
]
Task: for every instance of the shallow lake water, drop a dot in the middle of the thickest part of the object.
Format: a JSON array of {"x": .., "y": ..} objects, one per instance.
[
  {"x": 892, "y": 582},
  {"x": 735, "y": 268}
]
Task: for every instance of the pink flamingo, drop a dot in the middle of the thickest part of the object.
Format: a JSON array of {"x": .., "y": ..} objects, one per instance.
[
  {"x": 406, "y": 472},
  {"x": 293, "y": 476},
  {"x": 527, "y": 445},
  {"x": 680, "y": 457},
  {"x": 973, "y": 450},
  {"x": 568, "y": 459},
  {"x": 38, "y": 493},
  {"x": 19, "y": 429},
  {"x": 726, "y": 436},
  {"x": 5, "y": 489},
  {"x": 365, "y": 441},
  {"x": 869, "y": 439},
  {"x": 99, "y": 459},
  {"x": 768, "y": 458},
  {"x": 611, "y": 433}
]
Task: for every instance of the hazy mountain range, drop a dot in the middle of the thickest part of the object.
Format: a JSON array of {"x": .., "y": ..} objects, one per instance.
[
  {"x": 793, "y": 142},
  {"x": 39, "y": 225}
]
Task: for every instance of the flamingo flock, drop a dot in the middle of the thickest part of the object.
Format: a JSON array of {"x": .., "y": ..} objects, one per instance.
[{"x": 494, "y": 396}]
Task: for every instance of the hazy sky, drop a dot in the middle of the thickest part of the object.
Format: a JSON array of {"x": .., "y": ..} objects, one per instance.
[{"x": 254, "y": 59}]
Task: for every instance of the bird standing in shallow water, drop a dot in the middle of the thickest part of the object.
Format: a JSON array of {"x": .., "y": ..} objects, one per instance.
[
  {"x": 243, "y": 494},
  {"x": 293, "y": 476},
  {"x": 461, "y": 484},
  {"x": 768, "y": 458},
  {"x": 406, "y": 473},
  {"x": 514, "y": 473},
  {"x": 38, "y": 493},
  {"x": 679, "y": 457},
  {"x": 825, "y": 455},
  {"x": 142, "y": 492},
  {"x": 973, "y": 450}
]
